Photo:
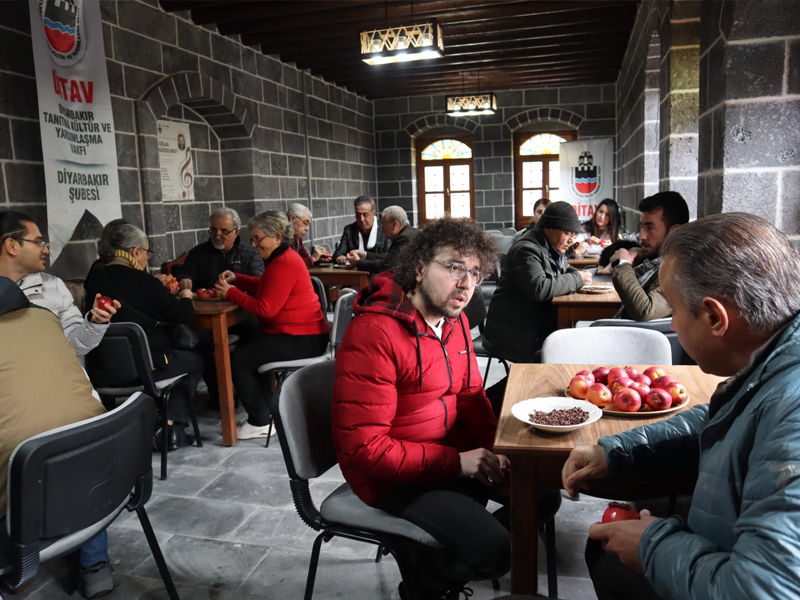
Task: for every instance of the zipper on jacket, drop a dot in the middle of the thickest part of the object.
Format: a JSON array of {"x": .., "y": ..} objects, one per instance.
[
  {"x": 447, "y": 362},
  {"x": 446, "y": 430}
]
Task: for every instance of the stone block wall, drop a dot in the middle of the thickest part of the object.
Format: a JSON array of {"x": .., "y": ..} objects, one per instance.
[
  {"x": 750, "y": 110},
  {"x": 399, "y": 121},
  {"x": 258, "y": 125}
]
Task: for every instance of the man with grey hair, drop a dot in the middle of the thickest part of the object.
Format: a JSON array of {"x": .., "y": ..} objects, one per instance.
[
  {"x": 731, "y": 280},
  {"x": 223, "y": 251},
  {"x": 364, "y": 234},
  {"x": 396, "y": 229},
  {"x": 300, "y": 217}
]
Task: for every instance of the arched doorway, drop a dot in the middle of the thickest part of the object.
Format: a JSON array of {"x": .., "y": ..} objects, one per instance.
[{"x": 445, "y": 177}]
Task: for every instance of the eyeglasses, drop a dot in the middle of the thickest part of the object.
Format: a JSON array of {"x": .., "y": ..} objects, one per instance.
[
  {"x": 255, "y": 240},
  {"x": 458, "y": 271},
  {"x": 224, "y": 232},
  {"x": 149, "y": 252},
  {"x": 41, "y": 243}
]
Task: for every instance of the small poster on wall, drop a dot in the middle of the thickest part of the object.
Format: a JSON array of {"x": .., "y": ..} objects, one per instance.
[
  {"x": 175, "y": 160},
  {"x": 587, "y": 173}
]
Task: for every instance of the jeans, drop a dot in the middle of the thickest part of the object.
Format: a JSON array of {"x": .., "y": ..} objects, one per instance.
[
  {"x": 612, "y": 580},
  {"x": 95, "y": 550}
]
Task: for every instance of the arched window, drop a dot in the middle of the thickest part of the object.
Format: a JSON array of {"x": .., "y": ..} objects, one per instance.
[
  {"x": 444, "y": 175},
  {"x": 537, "y": 170}
]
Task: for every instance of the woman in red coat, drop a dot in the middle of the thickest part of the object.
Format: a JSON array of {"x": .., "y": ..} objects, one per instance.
[{"x": 287, "y": 307}]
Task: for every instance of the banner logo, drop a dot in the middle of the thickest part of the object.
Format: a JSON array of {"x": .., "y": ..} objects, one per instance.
[
  {"x": 586, "y": 177},
  {"x": 62, "y": 21}
]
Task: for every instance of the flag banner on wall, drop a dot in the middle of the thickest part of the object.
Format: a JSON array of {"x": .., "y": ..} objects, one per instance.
[
  {"x": 75, "y": 118},
  {"x": 175, "y": 160},
  {"x": 587, "y": 173}
]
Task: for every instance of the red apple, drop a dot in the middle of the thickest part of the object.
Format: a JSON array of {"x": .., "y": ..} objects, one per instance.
[
  {"x": 663, "y": 381},
  {"x": 658, "y": 399},
  {"x": 633, "y": 372},
  {"x": 619, "y": 511},
  {"x": 677, "y": 391},
  {"x": 104, "y": 302},
  {"x": 615, "y": 373},
  {"x": 579, "y": 387},
  {"x": 627, "y": 400},
  {"x": 599, "y": 395},
  {"x": 585, "y": 375},
  {"x": 641, "y": 388},
  {"x": 644, "y": 380},
  {"x": 620, "y": 383},
  {"x": 654, "y": 372},
  {"x": 600, "y": 374}
]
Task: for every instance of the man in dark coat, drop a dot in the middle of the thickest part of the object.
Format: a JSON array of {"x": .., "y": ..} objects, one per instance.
[
  {"x": 364, "y": 234},
  {"x": 396, "y": 228}
]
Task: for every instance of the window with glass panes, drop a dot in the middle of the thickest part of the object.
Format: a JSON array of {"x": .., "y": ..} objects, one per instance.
[
  {"x": 537, "y": 171},
  {"x": 444, "y": 178}
]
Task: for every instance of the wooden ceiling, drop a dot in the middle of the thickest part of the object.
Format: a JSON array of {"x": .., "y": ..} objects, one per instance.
[{"x": 489, "y": 44}]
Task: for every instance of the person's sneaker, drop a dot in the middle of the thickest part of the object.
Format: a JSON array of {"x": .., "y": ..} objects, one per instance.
[
  {"x": 246, "y": 431},
  {"x": 96, "y": 580}
]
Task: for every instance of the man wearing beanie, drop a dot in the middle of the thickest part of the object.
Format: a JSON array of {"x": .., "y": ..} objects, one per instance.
[{"x": 534, "y": 272}]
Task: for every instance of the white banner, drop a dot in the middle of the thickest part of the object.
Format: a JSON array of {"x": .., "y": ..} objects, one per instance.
[
  {"x": 77, "y": 125},
  {"x": 587, "y": 173},
  {"x": 175, "y": 160}
]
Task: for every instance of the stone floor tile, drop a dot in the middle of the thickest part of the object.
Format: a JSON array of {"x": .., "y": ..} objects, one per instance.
[
  {"x": 207, "y": 457},
  {"x": 128, "y": 548},
  {"x": 125, "y": 588},
  {"x": 185, "y": 481},
  {"x": 258, "y": 461},
  {"x": 206, "y": 563},
  {"x": 250, "y": 488}
]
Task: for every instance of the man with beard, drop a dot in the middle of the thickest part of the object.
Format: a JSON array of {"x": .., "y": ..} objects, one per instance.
[
  {"x": 412, "y": 427},
  {"x": 636, "y": 277}
]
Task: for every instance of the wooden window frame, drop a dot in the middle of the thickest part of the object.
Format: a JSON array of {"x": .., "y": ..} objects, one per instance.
[{"x": 424, "y": 142}]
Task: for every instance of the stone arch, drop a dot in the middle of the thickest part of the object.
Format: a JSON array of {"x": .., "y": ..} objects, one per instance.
[
  {"x": 415, "y": 128},
  {"x": 545, "y": 113}
]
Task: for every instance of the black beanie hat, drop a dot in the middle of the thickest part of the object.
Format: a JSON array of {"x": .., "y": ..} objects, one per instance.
[{"x": 560, "y": 215}]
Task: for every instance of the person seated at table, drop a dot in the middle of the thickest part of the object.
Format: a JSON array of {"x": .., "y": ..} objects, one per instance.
[
  {"x": 145, "y": 301},
  {"x": 601, "y": 230},
  {"x": 740, "y": 539},
  {"x": 287, "y": 306},
  {"x": 538, "y": 210},
  {"x": 635, "y": 276},
  {"x": 23, "y": 258},
  {"x": 535, "y": 271},
  {"x": 365, "y": 234},
  {"x": 412, "y": 427},
  {"x": 44, "y": 388},
  {"x": 224, "y": 251},
  {"x": 300, "y": 218},
  {"x": 396, "y": 229}
]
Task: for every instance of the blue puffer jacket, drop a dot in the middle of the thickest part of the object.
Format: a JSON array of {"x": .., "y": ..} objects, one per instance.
[{"x": 742, "y": 539}]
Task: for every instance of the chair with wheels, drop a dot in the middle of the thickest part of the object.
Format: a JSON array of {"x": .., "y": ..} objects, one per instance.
[
  {"x": 664, "y": 326},
  {"x": 122, "y": 365},
  {"x": 607, "y": 345},
  {"x": 69, "y": 484},
  {"x": 342, "y": 315}
]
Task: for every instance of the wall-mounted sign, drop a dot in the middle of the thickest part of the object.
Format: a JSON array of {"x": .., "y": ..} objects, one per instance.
[
  {"x": 587, "y": 173},
  {"x": 175, "y": 160}
]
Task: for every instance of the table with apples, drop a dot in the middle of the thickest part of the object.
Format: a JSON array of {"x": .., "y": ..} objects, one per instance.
[{"x": 537, "y": 457}]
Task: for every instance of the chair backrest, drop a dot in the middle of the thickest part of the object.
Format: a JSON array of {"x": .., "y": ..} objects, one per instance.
[
  {"x": 342, "y": 315},
  {"x": 302, "y": 413},
  {"x": 509, "y": 231},
  {"x": 167, "y": 267},
  {"x": 607, "y": 345},
  {"x": 67, "y": 479},
  {"x": 476, "y": 309},
  {"x": 322, "y": 293},
  {"x": 495, "y": 232},
  {"x": 122, "y": 359},
  {"x": 664, "y": 326},
  {"x": 504, "y": 243}
]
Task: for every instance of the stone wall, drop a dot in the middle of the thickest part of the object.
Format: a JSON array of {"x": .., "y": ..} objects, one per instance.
[
  {"x": 256, "y": 124},
  {"x": 399, "y": 121},
  {"x": 750, "y": 110}
]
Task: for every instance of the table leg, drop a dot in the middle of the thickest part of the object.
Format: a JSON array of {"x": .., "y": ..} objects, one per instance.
[
  {"x": 564, "y": 317},
  {"x": 227, "y": 412},
  {"x": 524, "y": 530}
]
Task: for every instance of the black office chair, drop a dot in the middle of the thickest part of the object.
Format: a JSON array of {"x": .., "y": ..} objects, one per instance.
[
  {"x": 122, "y": 365},
  {"x": 67, "y": 485},
  {"x": 476, "y": 314},
  {"x": 322, "y": 293}
]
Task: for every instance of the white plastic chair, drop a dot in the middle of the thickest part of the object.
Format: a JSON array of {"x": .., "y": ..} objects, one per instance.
[{"x": 607, "y": 345}]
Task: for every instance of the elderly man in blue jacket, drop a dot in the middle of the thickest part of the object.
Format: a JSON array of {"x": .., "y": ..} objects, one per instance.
[{"x": 731, "y": 280}]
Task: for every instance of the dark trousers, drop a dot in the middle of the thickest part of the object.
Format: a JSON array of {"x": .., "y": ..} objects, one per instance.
[
  {"x": 477, "y": 543},
  {"x": 612, "y": 580},
  {"x": 181, "y": 361},
  {"x": 251, "y": 388}
]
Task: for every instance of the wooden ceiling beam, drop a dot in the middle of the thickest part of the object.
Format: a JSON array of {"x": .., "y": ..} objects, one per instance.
[
  {"x": 205, "y": 13},
  {"x": 179, "y": 5}
]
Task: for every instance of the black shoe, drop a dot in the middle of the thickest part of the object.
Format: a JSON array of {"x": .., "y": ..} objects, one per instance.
[
  {"x": 176, "y": 438},
  {"x": 182, "y": 439}
]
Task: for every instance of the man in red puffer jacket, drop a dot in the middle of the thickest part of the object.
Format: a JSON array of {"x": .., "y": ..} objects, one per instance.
[{"x": 412, "y": 427}]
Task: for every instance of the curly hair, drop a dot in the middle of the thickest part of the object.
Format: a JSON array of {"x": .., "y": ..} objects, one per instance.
[{"x": 464, "y": 236}]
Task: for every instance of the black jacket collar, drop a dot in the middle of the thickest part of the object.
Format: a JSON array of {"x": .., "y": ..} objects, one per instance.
[{"x": 11, "y": 297}]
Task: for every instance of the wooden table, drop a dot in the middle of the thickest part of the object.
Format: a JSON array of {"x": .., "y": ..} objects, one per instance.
[
  {"x": 537, "y": 457},
  {"x": 341, "y": 276},
  {"x": 584, "y": 261},
  {"x": 585, "y": 307},
  {"x": 218, "y": 315}
]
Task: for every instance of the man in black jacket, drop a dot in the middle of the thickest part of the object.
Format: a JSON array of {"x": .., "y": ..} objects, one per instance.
[
  {"x": 364, "y": 234},
  {"x": 223, "y": 251},
  {"x": 395, "y": 227}
]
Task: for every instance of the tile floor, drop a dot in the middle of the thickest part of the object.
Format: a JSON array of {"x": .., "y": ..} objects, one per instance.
[{"x": 228, "y": 530}]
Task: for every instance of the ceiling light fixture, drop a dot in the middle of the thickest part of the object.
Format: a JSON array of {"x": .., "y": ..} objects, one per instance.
[
  {"x": 402, "y": 44},
  {"x": 476, "y": 104}
]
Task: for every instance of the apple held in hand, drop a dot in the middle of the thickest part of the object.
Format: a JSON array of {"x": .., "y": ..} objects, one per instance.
[
  {"x": 641, "y": 388},
  {"x": 601, "y": 375},
  {"x": 599, "y": 395},
  {"x": 658, "y": 399},
  {"x": 663, "y": 381},
  {"x": 579, "y": 388},
  {"x": 104, "y": 302},
  {"x": 678, "y": 392},
  {"x": 632, "y": 372},
  {"x": 654, "y": 372},
  {"x": 627, "y": 400},
  {"x": 616, "y": 373},
  {"x": 585, "y": 375},
  {"x": 619, "y": 511},
  {"x": 620, "y": 383}
]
